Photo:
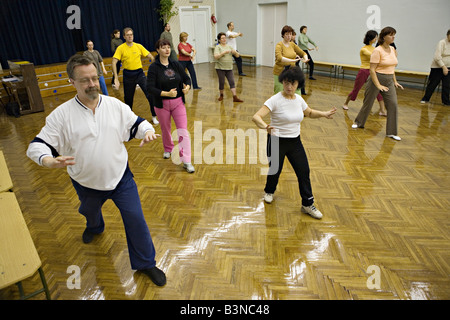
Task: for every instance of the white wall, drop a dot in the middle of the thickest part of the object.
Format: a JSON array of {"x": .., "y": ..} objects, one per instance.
[
  {"x": 175, "y": 21},
  {"x": 338, "y": 26}
]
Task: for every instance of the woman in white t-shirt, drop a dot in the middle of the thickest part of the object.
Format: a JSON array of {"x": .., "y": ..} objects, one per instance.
[{"x": 287, "y": 110}]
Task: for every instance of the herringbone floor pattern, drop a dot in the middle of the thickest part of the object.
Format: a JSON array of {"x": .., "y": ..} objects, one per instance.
[{"x": 385, "y": 204}]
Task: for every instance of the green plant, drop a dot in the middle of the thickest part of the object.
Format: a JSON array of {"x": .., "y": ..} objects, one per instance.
[{"x": 165, "y": 10}]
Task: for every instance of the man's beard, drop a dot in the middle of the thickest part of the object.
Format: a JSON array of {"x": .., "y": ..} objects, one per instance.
[{"x": 92, "y": 93}]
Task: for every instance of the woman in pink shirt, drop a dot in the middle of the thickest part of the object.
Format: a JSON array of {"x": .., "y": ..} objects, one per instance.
[
  {"x": 187, "y": 54},
  {"x": 382, "y": 80}
]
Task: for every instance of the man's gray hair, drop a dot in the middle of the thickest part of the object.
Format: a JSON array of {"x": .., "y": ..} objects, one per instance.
[{"x": 75, "y": 61}]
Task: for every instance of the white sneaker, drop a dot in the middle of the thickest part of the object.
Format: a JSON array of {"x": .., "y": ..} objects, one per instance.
[
  {"x": 166, "y": 155},
  {"x": 189, "y": 167},
  {"x": 268, "y": 197},
  {"x": 394, "y": 137},
  {"x": 312, "y": 211},
  {"x": 354, "y": 126},
  {"x": 155, "y": 121},
  {"x": 423, "y": 101}
]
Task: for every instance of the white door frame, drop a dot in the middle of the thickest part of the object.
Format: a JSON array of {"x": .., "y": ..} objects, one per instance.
[
  {"x": 198, "y": 8},
  {"x": 259, "y": 28}
]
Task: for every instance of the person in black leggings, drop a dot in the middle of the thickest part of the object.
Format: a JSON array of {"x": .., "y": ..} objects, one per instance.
[{"x": 287, "y": 110}]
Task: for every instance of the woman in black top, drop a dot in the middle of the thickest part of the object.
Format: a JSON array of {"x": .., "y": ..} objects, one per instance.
[{"x": 168, "y": 83}]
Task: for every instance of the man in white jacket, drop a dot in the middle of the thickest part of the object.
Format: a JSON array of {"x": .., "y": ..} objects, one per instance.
[
  {"x": 231, "y": 40},
  {"x": 86, "y": 135},
  {"x": 439, "y": 72}
]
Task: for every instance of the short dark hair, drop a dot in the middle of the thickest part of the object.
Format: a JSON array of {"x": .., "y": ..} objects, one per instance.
[
  {"x": 302, "y": 27},
  {"x": 75, "y": 61},
  {"x": 370, "y": 35},
  {"x": 448, "y": 32},
  {"x": 291, "y": 74},
  {"x": 162, "y": 42},
  {"x": 385, "y": 32},
  {"x": 229, "y": 24},
  {"x": 220, "y": 35},
  {"x": 286, "y": 29}
]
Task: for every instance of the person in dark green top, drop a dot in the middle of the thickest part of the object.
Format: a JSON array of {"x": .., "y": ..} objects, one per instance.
[
  {"x": 115, "y": 42},
  {"x": 168, "y": 36},
  {"x": 303, "y": 41}
]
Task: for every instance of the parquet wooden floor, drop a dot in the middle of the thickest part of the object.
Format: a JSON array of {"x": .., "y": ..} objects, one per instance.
[{"x": 385, "y": 205}]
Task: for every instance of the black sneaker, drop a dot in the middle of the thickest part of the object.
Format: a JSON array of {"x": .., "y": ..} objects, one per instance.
[{"x": 156, "y": 275}]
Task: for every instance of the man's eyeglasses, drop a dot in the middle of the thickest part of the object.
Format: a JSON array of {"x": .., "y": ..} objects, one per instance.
[{"x": 87, "y": 80}]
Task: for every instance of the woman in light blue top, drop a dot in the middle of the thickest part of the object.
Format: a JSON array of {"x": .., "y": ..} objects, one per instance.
[{"x": 303, "y": 41}]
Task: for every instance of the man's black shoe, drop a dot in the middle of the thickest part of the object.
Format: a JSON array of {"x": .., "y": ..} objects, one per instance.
[
  {"x": 88, "y": 236},
  {"x": 156, "y": 275}
]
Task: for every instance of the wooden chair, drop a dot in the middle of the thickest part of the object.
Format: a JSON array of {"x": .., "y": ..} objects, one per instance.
[{"x": 18, "y": 256}]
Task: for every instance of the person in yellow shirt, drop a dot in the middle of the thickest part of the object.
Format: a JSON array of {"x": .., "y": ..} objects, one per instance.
[
  {"x": 287, "y": 53},
  {"x": 369, "y": 39},
  {"x": 130, "y": 54}
]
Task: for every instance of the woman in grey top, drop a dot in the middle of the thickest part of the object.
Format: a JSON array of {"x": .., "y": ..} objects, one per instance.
[
  {"x": 224, "y": 65},
  {"x": 98, "y": 62}
]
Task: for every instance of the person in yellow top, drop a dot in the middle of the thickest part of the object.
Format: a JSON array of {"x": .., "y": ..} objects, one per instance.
[
  {"x": 287, "y": 53},
  {"x": 130, "y": 54},
  {"x": 364, "y": 73}
]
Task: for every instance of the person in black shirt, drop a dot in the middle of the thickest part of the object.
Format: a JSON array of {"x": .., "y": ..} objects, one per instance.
[{"x": 168, "y": 83}]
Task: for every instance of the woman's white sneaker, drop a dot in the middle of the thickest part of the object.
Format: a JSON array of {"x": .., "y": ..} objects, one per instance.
[
  {"x": 394, "y": 137},
  {"x": 189, "y": 167},
  {"x": 312, "y": 211},
  {"x": 166, "y": 155},
  {"x": 268, "y": 197}
]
